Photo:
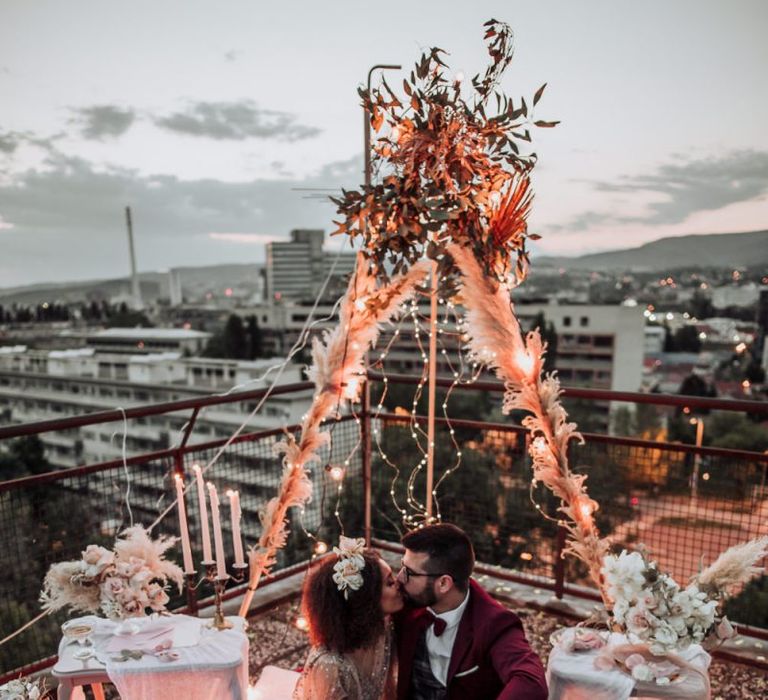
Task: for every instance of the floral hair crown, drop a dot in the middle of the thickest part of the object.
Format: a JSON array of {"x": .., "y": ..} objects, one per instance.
[{"x": 347, "y": 570}]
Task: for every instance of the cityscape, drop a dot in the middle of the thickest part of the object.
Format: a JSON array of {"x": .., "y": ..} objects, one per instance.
[{"x": 226, "y": 329}]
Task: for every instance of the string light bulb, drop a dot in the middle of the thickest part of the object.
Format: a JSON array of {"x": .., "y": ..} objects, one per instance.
[
  {"x": 350, "y": 390},
  {"x": 540, "y": 446},
  {"x": 336, "y": 473},
  {"x": 524, "y": 362}
]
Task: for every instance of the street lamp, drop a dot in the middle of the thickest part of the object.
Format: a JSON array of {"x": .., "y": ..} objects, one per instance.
[
  {"x": 367, "y": 122},
  {"x": 367, "y": 388}
]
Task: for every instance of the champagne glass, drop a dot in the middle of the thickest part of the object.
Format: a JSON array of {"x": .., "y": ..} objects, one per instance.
[{"x": 80, "y": 633}]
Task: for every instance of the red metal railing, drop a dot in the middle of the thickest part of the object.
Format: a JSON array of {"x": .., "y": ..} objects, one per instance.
[{"x": 556, "y": 576}]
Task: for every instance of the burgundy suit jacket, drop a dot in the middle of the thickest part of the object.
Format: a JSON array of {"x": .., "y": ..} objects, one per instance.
[{"x": 491, "y": 657}]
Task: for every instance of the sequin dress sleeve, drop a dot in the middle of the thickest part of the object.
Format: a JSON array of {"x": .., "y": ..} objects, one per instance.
[{"x": 328, "y": 676}]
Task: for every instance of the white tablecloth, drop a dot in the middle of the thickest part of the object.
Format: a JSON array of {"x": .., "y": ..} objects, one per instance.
[
  {"x": 212, "y": 664},
  {"x": 573, "y": 676}
]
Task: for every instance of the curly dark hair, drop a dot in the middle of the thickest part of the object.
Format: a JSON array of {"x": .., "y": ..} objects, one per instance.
[{"x": 338, "y": 623}]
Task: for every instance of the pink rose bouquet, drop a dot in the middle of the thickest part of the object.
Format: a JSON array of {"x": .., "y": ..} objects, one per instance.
[{"x": 123, "y": 582}]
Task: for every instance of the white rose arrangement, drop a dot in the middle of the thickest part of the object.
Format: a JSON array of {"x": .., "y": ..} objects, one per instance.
[
  {"x": 22, "y": 689},
  {"x": 347, "y": 576},
  {"x": 653, "y": 611},
  {"x": 652, "y": 608},
  {"x": 657, "y": 619},
  {"x": 123, "y": 582}
]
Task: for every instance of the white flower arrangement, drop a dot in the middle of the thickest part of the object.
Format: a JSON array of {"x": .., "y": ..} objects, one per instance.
[
  {"x": 124, "y": 582},
  {"x": 651, "y": 608},
  {"x": 347, "y": 576},
  {"x": 22, "y": 689}
]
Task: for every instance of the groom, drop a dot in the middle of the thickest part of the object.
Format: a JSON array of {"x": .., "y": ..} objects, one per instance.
[{"x": 456, "y": 642}]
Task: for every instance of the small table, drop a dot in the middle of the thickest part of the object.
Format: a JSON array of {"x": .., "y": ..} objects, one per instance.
[
  {"x": 573, "y": 676},
  {"x": 214, "y": 667}
]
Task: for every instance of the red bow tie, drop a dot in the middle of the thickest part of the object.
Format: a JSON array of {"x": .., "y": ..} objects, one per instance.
[{"x": 438, "y": 622}]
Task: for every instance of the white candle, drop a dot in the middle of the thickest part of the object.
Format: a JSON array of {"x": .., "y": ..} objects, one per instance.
[
  {"x": 207, "y": 556},
  {"x": 218, "y": 540},
  {"x": 186, "y": 548},
  {"x": 234, "y": 506}
]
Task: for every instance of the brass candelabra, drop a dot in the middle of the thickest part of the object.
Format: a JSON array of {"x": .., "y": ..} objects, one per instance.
[{"x": 219, "y": 622}]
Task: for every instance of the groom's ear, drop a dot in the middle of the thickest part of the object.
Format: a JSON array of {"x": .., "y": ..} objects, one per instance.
[{"x": 445, "y": 583}]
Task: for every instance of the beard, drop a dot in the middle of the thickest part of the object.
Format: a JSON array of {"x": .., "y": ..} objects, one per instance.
[{"x": 426, "y": 598}]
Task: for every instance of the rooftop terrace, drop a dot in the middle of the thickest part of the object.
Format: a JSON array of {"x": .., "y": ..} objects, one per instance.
[{"x": 681, "y": 500}]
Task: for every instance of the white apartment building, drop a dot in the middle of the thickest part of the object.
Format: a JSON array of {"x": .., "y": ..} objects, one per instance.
[
  {"x": 599, "y": 346},
  {"x": 735, "y": 295},
  {"x": 148, "y": 340},
  {"x": 40, "y": 385}
]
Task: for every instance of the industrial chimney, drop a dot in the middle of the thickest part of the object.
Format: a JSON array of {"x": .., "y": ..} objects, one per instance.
[{"x": 138, "y": 304}]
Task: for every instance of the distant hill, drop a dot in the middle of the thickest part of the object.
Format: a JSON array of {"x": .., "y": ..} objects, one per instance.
[
  {"x": 712, "y": 250},
  {"x": 153, "y": 284}
]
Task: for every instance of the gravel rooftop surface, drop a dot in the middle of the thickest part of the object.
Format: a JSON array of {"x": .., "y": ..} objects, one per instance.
[{"x": 276, "y": 641}]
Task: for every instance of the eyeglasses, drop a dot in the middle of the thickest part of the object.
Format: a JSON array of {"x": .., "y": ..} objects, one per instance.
[{"x": 410, "y": 573}]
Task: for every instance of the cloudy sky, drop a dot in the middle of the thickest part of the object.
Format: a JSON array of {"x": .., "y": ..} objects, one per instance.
[{"x": 212, "y": 118}]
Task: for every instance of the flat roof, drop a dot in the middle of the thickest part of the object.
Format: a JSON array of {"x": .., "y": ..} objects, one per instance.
[{"x": 149, "y": 334}]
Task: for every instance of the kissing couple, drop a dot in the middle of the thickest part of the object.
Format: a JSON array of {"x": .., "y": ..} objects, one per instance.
[{"x": 427, "y": 632}]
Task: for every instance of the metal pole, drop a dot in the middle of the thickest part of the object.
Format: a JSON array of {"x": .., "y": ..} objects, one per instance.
[
  {"x": 697, "y": 457},
  {"x": 432, "y": 383},
  {"x": 559, "y": 568},
  {"x": 367, "y": 123},
  {"x": 366, "y": 424},
  {"x": 366, "y": 447}
]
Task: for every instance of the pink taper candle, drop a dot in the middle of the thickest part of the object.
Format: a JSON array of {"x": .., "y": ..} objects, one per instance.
[
  {"x": 186, "y": 548},
  {"x": 218, "y": 539},
  {"x": 234, "y": 506},
  {"x": 207, "y": 556}
]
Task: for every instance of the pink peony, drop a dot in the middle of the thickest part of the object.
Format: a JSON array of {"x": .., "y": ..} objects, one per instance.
[
  {"x": 637, "y": 620},
  {"x": 574, "y": 639},
  {"x": 158, "y": 598},
  {"x": 112, "y": 586},
  {"x": 95, "y": 560},
  {"x": 132, "y": 607},
  {"x": 586, "y": 640},
  {"x": 634, "y": 660},
  {"x": 605, "y": 662}
]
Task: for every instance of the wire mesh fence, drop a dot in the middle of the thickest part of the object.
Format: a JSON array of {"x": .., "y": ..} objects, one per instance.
[
  {"x": 686, "y": 505},
  {"x": 53, "y": 518},
  {"x": 682, "y": 501}
]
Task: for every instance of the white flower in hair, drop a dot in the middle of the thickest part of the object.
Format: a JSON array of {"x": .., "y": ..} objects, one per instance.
[{"x": 347, "y": 570}]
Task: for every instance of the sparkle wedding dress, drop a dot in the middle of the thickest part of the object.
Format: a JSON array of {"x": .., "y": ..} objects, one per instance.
[{"x": 363, "y": 674}]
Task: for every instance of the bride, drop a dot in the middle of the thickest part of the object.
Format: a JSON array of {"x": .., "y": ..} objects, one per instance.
[{"x": 348, "y": 600}]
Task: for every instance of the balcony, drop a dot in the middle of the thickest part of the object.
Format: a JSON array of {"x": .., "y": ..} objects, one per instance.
[{"x": 682, "y": 501}]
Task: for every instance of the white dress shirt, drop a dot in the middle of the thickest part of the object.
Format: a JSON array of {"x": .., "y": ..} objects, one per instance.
[{"x": 440, "y": 648}]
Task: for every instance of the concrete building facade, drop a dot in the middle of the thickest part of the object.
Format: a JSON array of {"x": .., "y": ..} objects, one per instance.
[{"x": 297, "y": 269}]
